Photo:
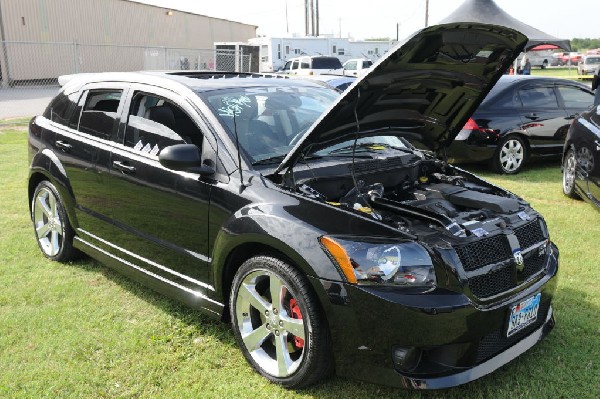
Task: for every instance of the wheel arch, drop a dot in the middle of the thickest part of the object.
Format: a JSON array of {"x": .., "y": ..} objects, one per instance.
[
  {"x": 45, "y": 165},
  {"x": 282, "y": 237}
]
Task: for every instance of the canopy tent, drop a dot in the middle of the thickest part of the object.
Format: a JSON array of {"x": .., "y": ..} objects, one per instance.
[{"x": 487, "y": 11}]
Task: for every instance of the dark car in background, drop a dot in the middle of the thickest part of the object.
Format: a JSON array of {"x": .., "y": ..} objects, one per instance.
[
  {"x": 305, "y": 217},
  {"x": 581, "y": 158},
  {"x": 521, "y": 118}
]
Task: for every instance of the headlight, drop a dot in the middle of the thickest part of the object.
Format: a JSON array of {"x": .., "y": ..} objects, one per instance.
[{"x": 375, "y": 261}]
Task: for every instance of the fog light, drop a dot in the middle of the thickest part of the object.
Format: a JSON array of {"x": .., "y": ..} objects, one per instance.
[{"x": 406, "y": 359}]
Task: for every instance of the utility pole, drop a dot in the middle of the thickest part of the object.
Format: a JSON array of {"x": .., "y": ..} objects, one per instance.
[
  {"x": 316, "y": 22},
  {"x": 287, "y": 23},
  {"x": 306, "y": 17},
  {"x": 312, "y": 17},
  {"x": 397, "y": 30},
  {"x": 426, "y": 13}
]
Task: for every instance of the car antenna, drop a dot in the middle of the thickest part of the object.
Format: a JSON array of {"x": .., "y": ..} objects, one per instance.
[{"x": 239, "y": 156}]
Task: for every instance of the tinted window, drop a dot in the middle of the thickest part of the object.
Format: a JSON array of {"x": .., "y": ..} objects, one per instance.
[
  {"x": 295, "y": 64},
  {"x": 574, "y": 97},
  {"x": 60, "y": 109},
  {"x": 367, "y": 64},
  {"x": 538, "y": 97},
  {"x": 288, "y": 66},
  {"x": 99, "y": 114},
  {"x": 326, "y": 63},
  {"x": 154, "y": 123}
]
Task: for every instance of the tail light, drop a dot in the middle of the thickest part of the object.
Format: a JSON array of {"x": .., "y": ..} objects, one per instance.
[{"x": 472, "y": 126}]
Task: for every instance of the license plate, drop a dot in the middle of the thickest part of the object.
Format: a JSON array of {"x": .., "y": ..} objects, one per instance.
[{"x": 523, "y": 314}]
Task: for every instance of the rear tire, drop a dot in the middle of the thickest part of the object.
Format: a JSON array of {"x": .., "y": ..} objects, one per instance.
[
  {"x": 569, "y": 171},
  {"x": 51, "y": 226},
  {"x": 510, "y": 155},
  {"x": 278, "y": 323}
]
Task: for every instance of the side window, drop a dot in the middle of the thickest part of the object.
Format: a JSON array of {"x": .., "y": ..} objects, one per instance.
[
  {"x": 295, "y": 64},
  {"x": 351, "y": 66},
  {"x": 574, "y": 97},
  {"x": 99, "y": 114},
  {"x": 538, "y": 97},
  {"x": 60, "y": 109},
  {"x": 508, "y": 100},
  {"x": 154, "y": 123},
  {"x": 305, "y": 63}
]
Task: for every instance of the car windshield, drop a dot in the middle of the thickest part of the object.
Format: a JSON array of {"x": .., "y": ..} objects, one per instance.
[
  {"x": 269, "y": 121},
  {"x": 593, "y": 60}
]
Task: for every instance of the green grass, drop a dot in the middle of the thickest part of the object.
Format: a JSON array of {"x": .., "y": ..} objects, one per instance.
[
  {"x": 560, "y": 72},
  {"x": 80, "y": 330}
]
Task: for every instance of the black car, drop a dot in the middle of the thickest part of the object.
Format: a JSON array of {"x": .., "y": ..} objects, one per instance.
[
  {"x": 305, "y": 217},
  {"x": 521, "y": 117},
  {"x": 581, "y": 161}
]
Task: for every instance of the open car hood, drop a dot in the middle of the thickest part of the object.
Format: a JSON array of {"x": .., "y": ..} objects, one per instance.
[{"x": 424, "y": 89}]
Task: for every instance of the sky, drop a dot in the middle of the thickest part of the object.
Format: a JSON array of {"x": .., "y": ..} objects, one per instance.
[{"x": 378, "y": 18}]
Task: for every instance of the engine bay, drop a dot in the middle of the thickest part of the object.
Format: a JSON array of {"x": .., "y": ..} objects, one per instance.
[{"x": 415, "y": 195}]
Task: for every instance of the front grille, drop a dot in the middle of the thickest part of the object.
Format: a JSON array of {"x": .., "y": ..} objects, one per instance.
[
  {"x": 533, "y": 264},
  {"x": 494, "y": 282},
  {"x": 496, "y": 341},
  {"x": 484, "y": 252},
  {"x": 529, "y": 234}
]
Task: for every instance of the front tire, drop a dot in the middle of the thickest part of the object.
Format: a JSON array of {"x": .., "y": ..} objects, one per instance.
[
  {"x": 278, "y": 323},
  {"x": 50, "y": 223},
  {"x": 569, "y": 170},
  {"x": 510, "y": 155}
]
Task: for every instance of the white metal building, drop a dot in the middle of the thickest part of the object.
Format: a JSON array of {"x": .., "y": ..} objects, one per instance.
[{"x": 45, "y": 38}]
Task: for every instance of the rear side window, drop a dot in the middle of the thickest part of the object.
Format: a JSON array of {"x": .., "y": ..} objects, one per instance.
[
  {"x": 574, "y": 97},
  {"x": 538, "y": 97},
  {"x": 155, "y": 123},
  {"x": 367, "y": 64},
  {"x": 60, "y": 109},
  {"x": 326, "y": 63},
  {"x": 99, "y": 114}
]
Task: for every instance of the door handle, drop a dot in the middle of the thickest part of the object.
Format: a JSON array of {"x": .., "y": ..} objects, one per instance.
[
  {"x": 127, "y": 169},
  {"x": 63, "y": 145}
]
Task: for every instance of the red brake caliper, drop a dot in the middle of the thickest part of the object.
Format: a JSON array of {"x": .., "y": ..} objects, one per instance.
[{"x": 296, "y": 314}]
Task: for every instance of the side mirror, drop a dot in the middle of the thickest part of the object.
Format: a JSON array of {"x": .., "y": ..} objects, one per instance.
[{"x": 184, "y": 157}]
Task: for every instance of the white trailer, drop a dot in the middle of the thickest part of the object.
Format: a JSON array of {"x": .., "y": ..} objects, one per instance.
[{"x": 275, "y": 51}]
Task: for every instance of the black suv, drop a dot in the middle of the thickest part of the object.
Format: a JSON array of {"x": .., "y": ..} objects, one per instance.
[{"x": 306, "y": 218}]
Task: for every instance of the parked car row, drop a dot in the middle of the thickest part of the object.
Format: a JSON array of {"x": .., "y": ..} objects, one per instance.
[{"x": 305, "y": 217}]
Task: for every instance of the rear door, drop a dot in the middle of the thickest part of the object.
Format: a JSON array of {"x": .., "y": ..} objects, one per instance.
[
  {"x": 543, "y": 118},
  {"x": 83, "y": 145},
  {"x": 161, "y": 215}
]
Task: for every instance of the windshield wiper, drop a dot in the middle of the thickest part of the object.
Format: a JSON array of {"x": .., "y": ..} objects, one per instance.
[
  {"x": 279, "y": 158},
  {"x": 365, "y": 147}
]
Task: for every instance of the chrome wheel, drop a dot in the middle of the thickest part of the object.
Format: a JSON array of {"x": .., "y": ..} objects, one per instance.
[
  {"x": 569, "y": 173},
  {"x": 585, "y": 159},
  {"x": 48, "y": 222},
  {"x": 512, "y": 155},
  {"x": 270, "y": 323}
]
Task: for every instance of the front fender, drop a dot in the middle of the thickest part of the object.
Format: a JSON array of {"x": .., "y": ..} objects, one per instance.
[{"x": 273, "y": 226}]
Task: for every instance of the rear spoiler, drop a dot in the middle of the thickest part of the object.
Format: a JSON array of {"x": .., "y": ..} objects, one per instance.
[{"x": 64, "y": 79}]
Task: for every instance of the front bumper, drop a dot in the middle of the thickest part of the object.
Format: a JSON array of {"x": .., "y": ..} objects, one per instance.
[{"x": 457, "y": 339}]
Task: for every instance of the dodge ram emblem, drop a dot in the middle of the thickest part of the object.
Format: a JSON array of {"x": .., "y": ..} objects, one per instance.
[{"x": 519, "y": 260}]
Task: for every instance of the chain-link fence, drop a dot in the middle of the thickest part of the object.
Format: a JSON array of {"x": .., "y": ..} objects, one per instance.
[{"x": 36, "y": 65}]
